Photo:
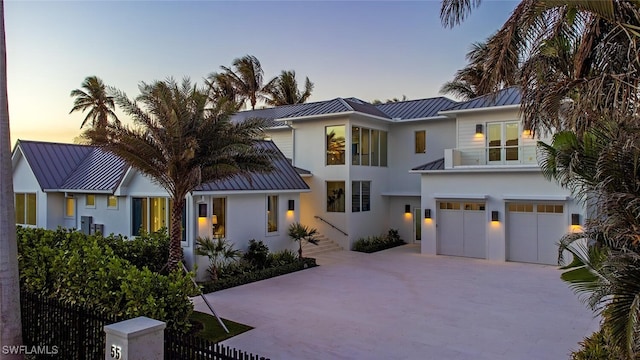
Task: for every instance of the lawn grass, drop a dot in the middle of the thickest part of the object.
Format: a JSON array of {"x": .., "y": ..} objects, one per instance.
[{"x": 211, "y": 329}]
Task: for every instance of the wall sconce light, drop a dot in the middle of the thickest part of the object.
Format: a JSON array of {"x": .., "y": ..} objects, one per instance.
[
  {"x": 407, "y": 209},
  {"x": 427, "y": 213},
  {"x": 575, "y": 219},
  {"x": 202, "y": 210},
  {"x": 495, "y": 216},
  {"x": 292, "y": 205},
  {"x": 478, "y": 128}
]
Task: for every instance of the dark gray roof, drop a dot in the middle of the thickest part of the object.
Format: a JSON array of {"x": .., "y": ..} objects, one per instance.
[
  {"x": 504, "y": 97},
  {"x": 334, "y": 106},
  {"x": 53, "y": 163},
  {"x": 434, "y": 165},
  {"x": 416, "y": 109},
  {"x": 100, "y": 171},
  {"x": 270, "y": 114},
  {"x": 283, "y": 177}
]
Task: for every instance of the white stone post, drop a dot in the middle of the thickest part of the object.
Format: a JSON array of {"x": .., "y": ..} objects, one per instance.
[{"x": 141, "y": 338}]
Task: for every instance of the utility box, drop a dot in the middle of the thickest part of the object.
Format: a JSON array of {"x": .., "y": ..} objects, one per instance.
[
  {"x": 97, "y": 228},
  {"x": 85, "y": 224}
]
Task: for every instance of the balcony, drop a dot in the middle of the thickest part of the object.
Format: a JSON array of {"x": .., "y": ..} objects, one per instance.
[{"x": 501, "y": 157}]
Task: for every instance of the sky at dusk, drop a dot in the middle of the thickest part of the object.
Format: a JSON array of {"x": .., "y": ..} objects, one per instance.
[{"x": 364, "y": 49}]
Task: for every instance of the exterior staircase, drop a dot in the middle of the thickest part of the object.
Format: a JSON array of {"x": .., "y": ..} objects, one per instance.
[{"x": 324, "y": 245}]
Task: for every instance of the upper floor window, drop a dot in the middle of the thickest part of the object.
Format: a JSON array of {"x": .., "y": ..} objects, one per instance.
[
  {"x": 421, "y": 142},
  {"x": 360, "y": 196},
  {"x": 112, "y": 202},
  {"x": 25, "y": 208},
  {"x": 335, "y": 196},
  {"x": 272, "y": 213},
  {"x": 335, "y": 144},
  {"x": 90, "y": 201},
  {"x": 503, "y": 141},
  {"x": 368, "y": 147}
]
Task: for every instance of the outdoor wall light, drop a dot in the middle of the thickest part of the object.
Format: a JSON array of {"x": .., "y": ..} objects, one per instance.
[
  {"x": 495, "y": 216},
  {"x": 478, "y": 128},
  {"x": 292, "y": 205},
  {"x": 575, "y": 219},
  {"x": 407, "y": 209},
  {"x": 427, "y": 213},
  {"x": 202, "y": 210}
]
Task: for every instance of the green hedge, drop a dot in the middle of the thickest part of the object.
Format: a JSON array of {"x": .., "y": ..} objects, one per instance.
[
  {"x": 377, "y": 243},
  {"x": 148, "y": 249},
  {"x": 79, "y": 269},
  {"x": 249, "y": 277}
]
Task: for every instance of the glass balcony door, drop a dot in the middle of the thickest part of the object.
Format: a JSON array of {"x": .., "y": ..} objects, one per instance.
[{"x": 502, "y": 142}]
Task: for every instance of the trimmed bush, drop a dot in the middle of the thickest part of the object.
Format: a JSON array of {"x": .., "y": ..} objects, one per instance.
[
  {"x": 73, "y": 267},
  {"x": 257, "y": 254},
  {"x": 148, "y": 249},
  {"x": 372, "y": 244},
  {"x": 247, "y": 277}
]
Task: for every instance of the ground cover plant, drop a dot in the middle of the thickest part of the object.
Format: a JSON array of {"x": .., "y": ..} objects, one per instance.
[
  {"x": 207, "y": 327},
  {"x": 372, "y": 244}
]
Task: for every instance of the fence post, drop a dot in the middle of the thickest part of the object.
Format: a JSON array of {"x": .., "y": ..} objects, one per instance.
[{"x": 141, "y": 338}]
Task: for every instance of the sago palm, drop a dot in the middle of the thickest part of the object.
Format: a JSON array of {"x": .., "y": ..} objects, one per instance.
[
  {"x": 96, "y": 100},
  {"x": 181, "y": 140}
]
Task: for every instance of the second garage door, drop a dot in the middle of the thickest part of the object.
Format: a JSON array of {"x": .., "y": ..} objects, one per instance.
[
  {"x": 534, "y": 230},
  {"x": 462, "y": 229}
]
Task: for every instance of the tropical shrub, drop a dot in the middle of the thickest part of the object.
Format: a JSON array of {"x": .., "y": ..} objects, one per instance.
[
  {"x": 596, "y": 347},
  {"x": 219, "y": 251},
  {"x": 376, "y": 243},
  {"x": 148, "y": 249},
  {"x": 298, "y": 232},
  {"x": 257, "y": 254},
  {"x": 79, "y": 269},
  {"x": 283, "y": 257}
]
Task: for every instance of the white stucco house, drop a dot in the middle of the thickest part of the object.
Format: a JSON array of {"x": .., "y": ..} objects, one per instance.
[
  {"x": 461, "y": 179},
  {"x": 83, "y": 187}
]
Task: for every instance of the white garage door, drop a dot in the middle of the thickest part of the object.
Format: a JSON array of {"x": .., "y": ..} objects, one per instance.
[
  {"x": 534, "y": 230},
  {"x": 462, "y": 229}
]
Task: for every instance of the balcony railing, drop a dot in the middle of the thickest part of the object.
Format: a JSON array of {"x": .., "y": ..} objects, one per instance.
[{"x": 490, "y": 156}]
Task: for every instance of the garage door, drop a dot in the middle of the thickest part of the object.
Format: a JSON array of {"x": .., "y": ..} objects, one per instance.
[
  {"x": 534, "y": 230},
  {"x": 462, "y": 229}
]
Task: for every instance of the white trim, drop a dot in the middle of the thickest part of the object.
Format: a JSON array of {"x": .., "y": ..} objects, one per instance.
[
  {"x": 403, "y": 121},
  {"x": 80, "y": 191},
  {"x": 461, "y": 196},
  {"x": 481, "y": 168},
  {"x": 514, "y": 197},
  {"x": 400, "y": 194},
  {"x": 240, "y": 192}
]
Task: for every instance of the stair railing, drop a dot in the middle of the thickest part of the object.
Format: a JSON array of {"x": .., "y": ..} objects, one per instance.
[{"x": 330, "y": 224}]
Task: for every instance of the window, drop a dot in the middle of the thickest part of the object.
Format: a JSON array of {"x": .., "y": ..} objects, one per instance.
[
  {"x": 360, "y": 196},
  {"x": 149, "y": 214},
  {"x": 25, "y": 204},
  {"x": 557, "y": 209},
  {"x": 335, "y": 144},
  {"x": 272, "y": 213},
  {"x": 502, "y": 141},
  {"x": 219, "y": 218},
  {"x": 335, "y": 196},
  {"x": 449, "y": 206},
  {"x": 368, "y": 147},
  {"x": 112, "y": 202},
  {"x": 421, "y": 142},
  {"x": 70, "y": 207},
  {"x": 90, "y": 201}
]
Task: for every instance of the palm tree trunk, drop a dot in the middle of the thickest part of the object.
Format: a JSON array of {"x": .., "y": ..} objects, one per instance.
[
  {"x": 10, "y": 322},
  {"x": 175, "y": 233}
]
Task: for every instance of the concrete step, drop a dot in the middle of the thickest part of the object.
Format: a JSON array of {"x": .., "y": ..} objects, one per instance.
[{"x": 324, "y": 245}]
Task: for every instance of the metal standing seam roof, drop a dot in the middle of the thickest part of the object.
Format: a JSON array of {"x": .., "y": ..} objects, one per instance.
[
  {"x": 504, "y": 97},
  {"x": 100, "y": 171},
  {"x": 283, "y": 177},
  {"x": 270, "y": 114},
  {"x": 416, "y": 109},
  {"x": 434, "y": 165}
]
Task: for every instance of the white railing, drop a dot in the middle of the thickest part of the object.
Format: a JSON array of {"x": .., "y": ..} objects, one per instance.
[{"x": 505, "y": 155}]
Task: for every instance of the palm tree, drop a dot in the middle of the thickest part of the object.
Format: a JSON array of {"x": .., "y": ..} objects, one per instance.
[
  {"x": 94, "y": 98},
  {"x": 222, "y": 90},
  {"x": 10, "y": 320},
  {"x": 181, "y": 140},
  {"x": 219, "y": 252},
  {"x": 298, "y": 232},
  {"x": 283, "y": 90},
  {"x": 247, "y": 79},
  {"x": 575, "y": 60}
]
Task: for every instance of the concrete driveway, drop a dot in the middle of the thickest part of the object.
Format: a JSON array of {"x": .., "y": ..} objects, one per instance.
[{"x": 399, "y": 304}]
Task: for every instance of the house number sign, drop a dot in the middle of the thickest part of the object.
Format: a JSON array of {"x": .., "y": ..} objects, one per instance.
[{"x": 116, "y": 352}]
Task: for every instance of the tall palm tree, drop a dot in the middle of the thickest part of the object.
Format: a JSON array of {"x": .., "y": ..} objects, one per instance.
[
  {"x": 96, "y": 99},
  {"x": 247, "y": 78},
  {"x": 182, "y": 140},
  {"x": 578, "y": 58},
  {"x": 222, "y": 90},
  {"x": 283, "y": 90},
  {"x": 10, "y": 321}
]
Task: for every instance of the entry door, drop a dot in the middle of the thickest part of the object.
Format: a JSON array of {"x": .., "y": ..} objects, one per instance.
[
  {"x": 417, "y": 225},
  {"x": 502, "y": 142}
]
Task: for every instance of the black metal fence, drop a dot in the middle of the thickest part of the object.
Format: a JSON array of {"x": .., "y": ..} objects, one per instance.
[
  {"x": 53, "y": 329},
  {"x": 178, "y": 347}
]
